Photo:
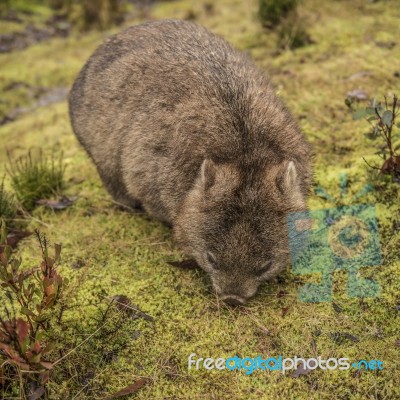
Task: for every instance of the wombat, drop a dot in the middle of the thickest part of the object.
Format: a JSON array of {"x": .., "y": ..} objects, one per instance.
[{"x": 179, "y": 122}]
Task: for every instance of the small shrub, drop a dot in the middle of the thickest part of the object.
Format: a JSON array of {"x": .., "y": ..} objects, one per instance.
[
  {"x": 40, "y": 349},
  {"x": 33, "y": 295},
  {"x": 271, "y": 12},
  {"x": 292, "y": 33},
  {"x": 18, "y": 6},
  {"x": 4, "y": 7},
  {"x": 382, "y": 120},
  {"x": 89, "y": 14},
  {"x": 35, "y": 177},
  {"x": 8, "y": 208}
]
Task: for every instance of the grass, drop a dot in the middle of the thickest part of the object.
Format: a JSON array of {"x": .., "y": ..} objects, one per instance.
[
  {"x": 271, "y": 12},
  {"x": 35, "y": 176},
  {"x": 8, "y": 207},
  {"x": 29, "y": 12},
  {"x": 125, "y": 254}
]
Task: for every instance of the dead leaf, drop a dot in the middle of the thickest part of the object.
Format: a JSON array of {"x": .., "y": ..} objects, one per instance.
[
  {"x": 357, "y": 94},
  {"x": 314, "y": 345},
  {"x": 386, "y": 45},
  {"x": 397, "y": 343},
  {"x": 14, "y": 237},
  {"x": 129, "y": 389},
  {"x": 351, "y": 337},
  {"x": 358, "y": 75},
  {"x": 37, "y": 393},
  {"x": 184, "y": 264},
  {"x": 123, "y": 303},
  {"x": 60, "y": 204},
  {"x": 46, "y": 364},
  {"x": 337, "y": 308},
  {"x": 284, "y": 311},
  {"x": 78, "y": 263},
  {"x": 391, "y": 166},
  {"x": 300, "y": 370},
  {"x": 264, "y": 330}
]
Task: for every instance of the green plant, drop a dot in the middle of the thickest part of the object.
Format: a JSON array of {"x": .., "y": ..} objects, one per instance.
[
  {"x": 382, "y": 119},
  {"x": 271, "y": 12},
  {"x": 4, "y": 7},
  {"x": 292, "y": 33},
  {"x": 35, "y": 177},
  {"x": 35, "y": 339},
  {"x": 8, "y": 208},
  {"x": 99, "y": 14},
  {"x": 33, "y": 296}
]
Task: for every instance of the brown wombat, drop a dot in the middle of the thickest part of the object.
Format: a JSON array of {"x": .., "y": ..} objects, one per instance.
[{"x": 178, "y": 121}]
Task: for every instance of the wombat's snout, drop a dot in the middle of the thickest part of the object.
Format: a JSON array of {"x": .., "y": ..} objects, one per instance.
[
  {"x": 232, "y": 292},
  {"x": 233, "y": 300}
]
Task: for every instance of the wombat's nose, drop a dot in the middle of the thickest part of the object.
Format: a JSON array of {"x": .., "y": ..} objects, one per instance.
[{"x": 233, "y": 301}]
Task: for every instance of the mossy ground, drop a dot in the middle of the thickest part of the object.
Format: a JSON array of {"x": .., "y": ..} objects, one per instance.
[{"x": 125, "y": 254}]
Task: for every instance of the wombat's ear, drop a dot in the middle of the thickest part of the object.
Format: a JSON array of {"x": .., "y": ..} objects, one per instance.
[
  {"x": 289, "y": 184},
  {"x": 207, "y": 173},
  {"x": 291, "y": 178}
]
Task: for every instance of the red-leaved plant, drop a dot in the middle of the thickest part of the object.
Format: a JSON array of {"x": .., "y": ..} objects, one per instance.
[{"x": 33, "y": 294}]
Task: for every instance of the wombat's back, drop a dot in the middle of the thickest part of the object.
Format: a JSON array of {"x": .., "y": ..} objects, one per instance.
[{"x": 157, "y": 99}]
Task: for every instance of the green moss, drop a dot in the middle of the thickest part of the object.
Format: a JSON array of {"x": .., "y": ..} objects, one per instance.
[
  {"x": 26, "y": 7},
  {"x": 125, "y": 253},
  {"x": 28, "y": 12}
]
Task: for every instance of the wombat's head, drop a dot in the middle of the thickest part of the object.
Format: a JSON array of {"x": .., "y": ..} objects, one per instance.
[{"x": 234, "y": 224}]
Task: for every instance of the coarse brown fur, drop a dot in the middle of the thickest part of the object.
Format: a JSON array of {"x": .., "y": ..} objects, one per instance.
[{"x": 178, "y": 121}]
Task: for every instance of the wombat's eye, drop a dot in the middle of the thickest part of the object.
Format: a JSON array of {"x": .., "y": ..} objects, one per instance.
[{"x": 211, "y": 258}]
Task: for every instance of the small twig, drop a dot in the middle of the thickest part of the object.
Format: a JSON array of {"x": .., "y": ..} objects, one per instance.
[
  {"x": 377, "y": 113},
  {"x": 31, "y": 372},
  {"x": 392, "y": 153},
  {"x": 29, "y": 216},
  {"x": 5, "y": 363},
  {"x": 370, "y": 165},
  {"x": 137, "y": 310},
  {"x": 79, "y": 345},
  {"x": 90, "y": 381}
]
